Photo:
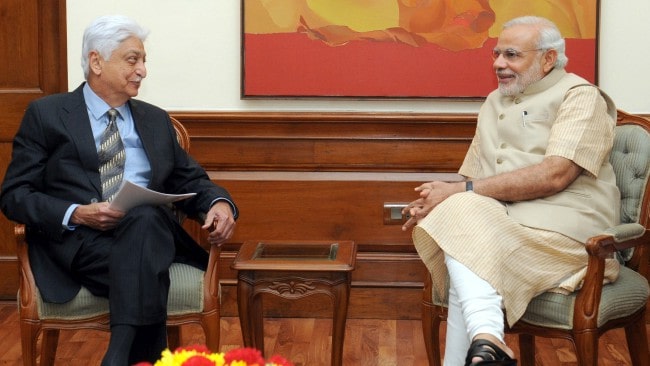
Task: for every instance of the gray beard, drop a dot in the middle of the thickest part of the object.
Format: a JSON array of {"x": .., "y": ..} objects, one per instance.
[{"x": 522, "y": 81}]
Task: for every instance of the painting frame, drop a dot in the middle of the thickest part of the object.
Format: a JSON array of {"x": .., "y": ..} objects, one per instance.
[{"x": 299, "y": 65}]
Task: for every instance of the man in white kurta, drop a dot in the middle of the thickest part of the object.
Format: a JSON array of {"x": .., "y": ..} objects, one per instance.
[{"x": 539, "y": 183}]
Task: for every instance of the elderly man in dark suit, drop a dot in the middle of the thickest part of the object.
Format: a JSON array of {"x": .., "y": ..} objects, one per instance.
[{"x": 54, "y": 186}]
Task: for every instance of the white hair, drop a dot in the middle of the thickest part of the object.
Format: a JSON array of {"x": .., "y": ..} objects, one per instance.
[
  {"x": 549, "y": 36},
  {"x": 105, "y": 34}
]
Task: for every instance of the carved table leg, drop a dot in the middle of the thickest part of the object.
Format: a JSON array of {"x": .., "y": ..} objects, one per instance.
[{"x": 244, "y": 292}]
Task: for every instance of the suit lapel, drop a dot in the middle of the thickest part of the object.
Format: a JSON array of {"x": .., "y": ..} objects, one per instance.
[{"x": 74, "y": 117}]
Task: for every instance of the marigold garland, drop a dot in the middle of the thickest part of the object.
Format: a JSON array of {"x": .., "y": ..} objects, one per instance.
[{"x": 199, "y": 355}]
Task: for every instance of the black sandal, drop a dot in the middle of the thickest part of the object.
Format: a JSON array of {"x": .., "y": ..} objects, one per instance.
[{"x": 489, "y": 352}]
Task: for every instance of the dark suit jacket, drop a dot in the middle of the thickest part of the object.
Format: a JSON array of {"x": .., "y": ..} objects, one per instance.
[{"x": 55, "y": 164}]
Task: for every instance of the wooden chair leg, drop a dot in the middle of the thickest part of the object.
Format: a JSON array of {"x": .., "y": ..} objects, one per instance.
[
  {"x": 427, "y": 332},
  {"x": 28, "y": 338},
  {"x": 48, "y": 346},
  {"x": 173, "y": 337},
  {"x": 435, "y": 340},
  {"x": 526, "y": 350},
  {"x": 212, "y": 329},
  {"x": 637, "y": 343},
  {"x": 586, "y": 344},
  {"x": 431, "y": 319}
]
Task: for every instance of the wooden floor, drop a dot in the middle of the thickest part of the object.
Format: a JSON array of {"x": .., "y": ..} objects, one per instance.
[{"x": 306, "y": 342}]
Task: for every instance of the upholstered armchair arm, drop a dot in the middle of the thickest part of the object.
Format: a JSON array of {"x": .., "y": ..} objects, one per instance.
[
  {"x": 599, "y": 248},
  {"x": 622, "y": 236},
  {"x": 27, "y": 297}
]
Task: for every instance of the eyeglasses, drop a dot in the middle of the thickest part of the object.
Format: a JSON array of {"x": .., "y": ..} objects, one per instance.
[{"x": 510, "y": 54}]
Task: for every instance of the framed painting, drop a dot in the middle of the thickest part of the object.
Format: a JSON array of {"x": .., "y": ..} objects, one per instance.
[{"x": 394, "y": 48}]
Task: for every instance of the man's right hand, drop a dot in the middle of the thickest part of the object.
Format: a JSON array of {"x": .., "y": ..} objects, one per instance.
[
  {"x": 97, "y": 216},
  {"x": 431, "y": 194}
]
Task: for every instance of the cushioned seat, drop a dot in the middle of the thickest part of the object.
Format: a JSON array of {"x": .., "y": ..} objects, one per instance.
[
  {"x": 619, "y": 299},
  {"x": 185, "y": 297}
]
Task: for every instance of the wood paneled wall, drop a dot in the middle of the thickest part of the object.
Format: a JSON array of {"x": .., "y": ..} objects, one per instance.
[{"x": 327, "y": 176}]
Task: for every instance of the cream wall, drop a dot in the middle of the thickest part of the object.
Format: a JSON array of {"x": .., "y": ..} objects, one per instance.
[{"x": 194, "y": 58}]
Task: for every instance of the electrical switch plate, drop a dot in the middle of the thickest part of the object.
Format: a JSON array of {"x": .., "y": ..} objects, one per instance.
[{"x": 393, "y": 213}]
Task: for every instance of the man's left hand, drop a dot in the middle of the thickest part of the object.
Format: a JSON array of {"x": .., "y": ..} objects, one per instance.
[{"x": 220, "y": 222}]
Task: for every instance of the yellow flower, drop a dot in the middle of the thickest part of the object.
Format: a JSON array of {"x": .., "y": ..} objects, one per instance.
[{"x": 179, "y": 357}]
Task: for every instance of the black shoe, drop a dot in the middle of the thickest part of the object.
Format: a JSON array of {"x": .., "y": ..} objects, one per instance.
[{"x": 489, "y": 352}]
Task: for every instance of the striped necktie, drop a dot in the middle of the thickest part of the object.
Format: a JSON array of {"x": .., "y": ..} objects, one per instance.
[{"x": 111, "y": 158}]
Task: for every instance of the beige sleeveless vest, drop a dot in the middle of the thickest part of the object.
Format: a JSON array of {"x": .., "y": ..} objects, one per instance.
[{"x": 514, "y": 132}]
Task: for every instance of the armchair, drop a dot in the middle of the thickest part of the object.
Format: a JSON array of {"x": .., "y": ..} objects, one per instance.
[
  {"x": 583, "y": 316},
  {"x": 193, "y": 299}
]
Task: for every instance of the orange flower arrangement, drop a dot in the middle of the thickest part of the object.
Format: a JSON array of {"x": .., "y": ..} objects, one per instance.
[{"x": 199, "y": 355}]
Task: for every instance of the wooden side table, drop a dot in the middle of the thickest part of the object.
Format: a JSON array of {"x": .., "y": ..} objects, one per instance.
[{"x": 293, "y": 270}]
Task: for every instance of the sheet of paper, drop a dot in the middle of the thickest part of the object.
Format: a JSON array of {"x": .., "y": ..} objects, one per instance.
[{"x": 131, "y": 195}]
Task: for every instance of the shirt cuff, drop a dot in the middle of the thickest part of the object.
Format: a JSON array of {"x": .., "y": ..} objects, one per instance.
[
  {"x": 235, "y": 214},
  {"x": 66, "y": 218}
]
